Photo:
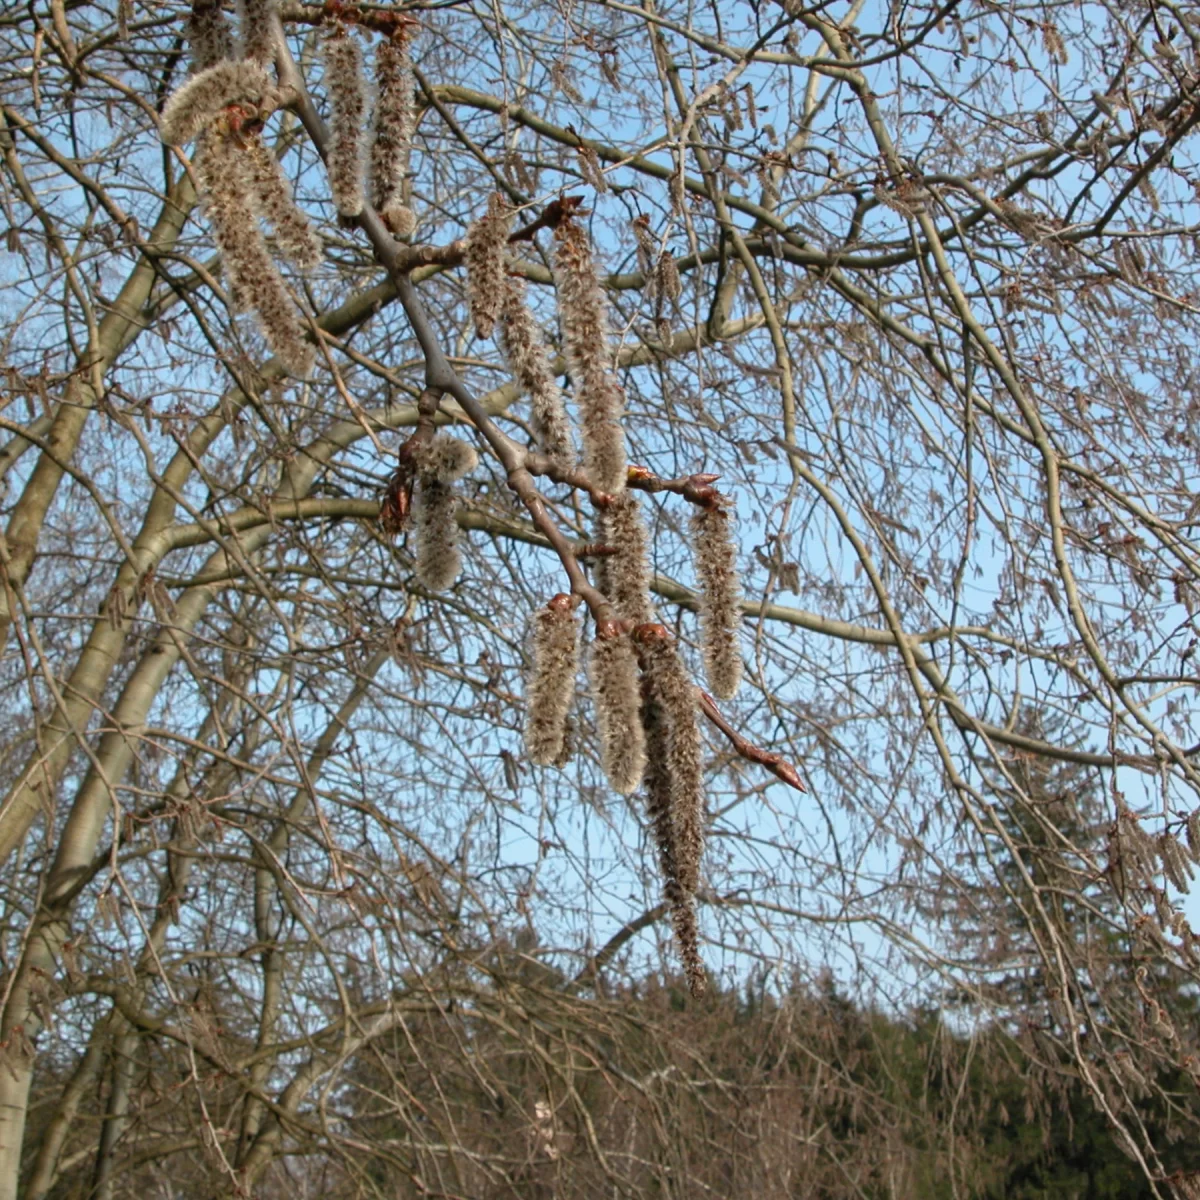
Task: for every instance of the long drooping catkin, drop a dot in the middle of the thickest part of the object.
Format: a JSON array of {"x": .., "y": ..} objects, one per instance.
[
  {"x": 524, "y": 350},
  {"x": 255, "y": 27},
  {"x": 208, "y": 34},
  {"x": 347, "y": 104},
  {"x": 271, "y": 196},
  {"x": 394, "y": 122},
  {"x": 254, "y": 280},
  {"x": 583, "y": 311},
  {"x": 627, "y": 570},
  {"x": 197, "y": 103},
  {"x": 552, "y": 681},
  {"x": 438, "y": 561},
  {"x": 659, "y": 803},
  {"x": 487, "y": 240},
  {"x": 720, "y": 597},
  {"x": 666, "y": 684},
  {"x": 440, "y": 463},
  {"x": 615, "y": 693}
]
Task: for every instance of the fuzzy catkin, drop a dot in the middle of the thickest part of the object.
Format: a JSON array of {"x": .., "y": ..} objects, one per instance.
[
  {"x": 443, "y": 458},
  {"x": 583, "y": 311},
  {"x": 254, "y": 280},
  {"x": 271, "y": 197},
  {"x": 200, "y": 100},
  {"x": 525, "y": 352},
  {"x": 615, "y": 693},
  {"x": 658, "y": 789},
  {"x": 208, "y": 34},
  {"x": 450, "y": 458},
  {"x": 438, "y": 560},
  {"x": 487, "y": 239},
  {"x": 392, "y": 144},
  {"x": 667, "y": 685},
  {"x": 627, "y": 571},
  {"x": 552, "y": 681},
  {"x": 348, "y": 103},
  {"x": 720, "y": 598},
  {"x": 256, "y": 35}
]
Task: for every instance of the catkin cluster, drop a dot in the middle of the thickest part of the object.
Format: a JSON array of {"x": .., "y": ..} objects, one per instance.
[
  {"x": 674, "y": 784},
  {"x": 439, "y": 463},
  {"x": 616, "y": 696},
  {"x": 525, "y": 353},
  {"x": 583, "y": 312},
  {"x": 487, "y": 240},
  {"x": 347, "y": 107},
  {"x": 720, "y": 597},
  {"x": 552, "y": 681},
  {"x": 222, "y": 108},
  {"x": 394, "y": 123}
]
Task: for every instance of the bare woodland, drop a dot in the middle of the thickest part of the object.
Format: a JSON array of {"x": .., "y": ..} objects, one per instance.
[{"x": 545, "y": 546}]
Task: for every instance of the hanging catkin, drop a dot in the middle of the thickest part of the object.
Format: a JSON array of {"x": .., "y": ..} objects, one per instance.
[
  {"x": 487, "y": 239},
  {"x": 668, "y": 686},
  {"x": 720, "y": 597},
  {"x": 208, "y": 34},
  {"x": 438, "y": 561},
  {"x": 583, "y": 312},
  {"x": 440, "y": 463},
  {"x": 615, "y": 694},
  {"x": 626, "y": 571},
  {"x": 394, "y": 121},
  {"x": 552, "y": 680},
  {"x": 347, "y": 105},
  {"x": 659, "y": 801},
  {"x": 271, "y": 197},
  {"x": 524, "y": 350},
  {"x": 255, "y": 27}
]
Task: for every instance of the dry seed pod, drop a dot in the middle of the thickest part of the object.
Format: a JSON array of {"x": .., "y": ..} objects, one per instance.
[
  {"x": 552, "y": 682},
  {"x": 525, "y": 352},
  {"x": 583, "y": 311},
  {"x": 647, "y": 248},
  {"x": 1193, "y": 835},
  {"x": 487, "y": 240},
  {"x": 1175, "y": 865},
  {"x": 720, "y": 597},
  {"x": 271, "y": 196},
  {"x": 208, "y": 34},
  {"x": 197, "y": 103},
  {"x": 348, "y": 104},
  {"x": 615, "y": 693},
  {"x": 438, "y": 561},
  {"x": 667, "y": 683},
  {"x": 257, "y": 36},
  {"x": 254, "y": 280},
  {"x": 667, "y": 283},
  {"x": 392, "y": 144},
  {"x": 627, "y": 571}
]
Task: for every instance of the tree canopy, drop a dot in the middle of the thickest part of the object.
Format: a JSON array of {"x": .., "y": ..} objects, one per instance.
[{"x": 523, "y": 521}]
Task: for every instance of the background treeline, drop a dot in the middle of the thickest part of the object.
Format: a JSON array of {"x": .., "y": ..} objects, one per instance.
[{"x": 523, "y": 1088}]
